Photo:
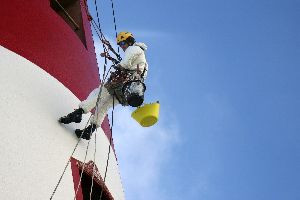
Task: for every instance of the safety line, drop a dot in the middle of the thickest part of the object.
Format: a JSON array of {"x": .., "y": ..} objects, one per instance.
[
  {"x": 94, "y": 164},
  {"x": 55, "y": 189},
  {"x": 101, "y": 37},
  {"x": 79, "y": 183},
  {"x": 115, "y": 24},
  {"x": 109, "y": 146},
  {"x": 68, "y": 161},
  {"x": 111, "y": 136},
  {"x": 105, "y": 41}
]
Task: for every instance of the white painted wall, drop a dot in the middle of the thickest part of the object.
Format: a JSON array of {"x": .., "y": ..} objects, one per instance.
[{"x": 34, "y": 147}]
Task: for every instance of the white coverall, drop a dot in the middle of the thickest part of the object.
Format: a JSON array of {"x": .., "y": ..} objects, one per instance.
[{"x": 134, "y": 57}]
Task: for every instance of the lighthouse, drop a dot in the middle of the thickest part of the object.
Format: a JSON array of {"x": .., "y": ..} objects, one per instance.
[{"x": 47, "y": 66}]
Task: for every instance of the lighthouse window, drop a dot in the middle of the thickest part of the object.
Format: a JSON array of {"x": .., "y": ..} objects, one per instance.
[
  {"x": 91, "y": 181},
  {"x": 86, "y": 184},
  {"x": 70, "y": 12}
]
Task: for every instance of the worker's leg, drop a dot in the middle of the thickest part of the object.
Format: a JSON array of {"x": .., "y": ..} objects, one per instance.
[
  {"x": 105, "y": 103},
  {"x": 84, "y": 107},
  {"x": 90, "y": 102}
]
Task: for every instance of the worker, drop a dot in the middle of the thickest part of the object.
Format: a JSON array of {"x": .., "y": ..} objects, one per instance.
[{"x": 125, "y": 86}]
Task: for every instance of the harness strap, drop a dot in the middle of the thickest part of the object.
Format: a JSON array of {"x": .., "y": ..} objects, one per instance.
[
  {"x": 138, "y": 69},
  {"x": 145, "y": 69},
  {"x": 118, "y": 97}
]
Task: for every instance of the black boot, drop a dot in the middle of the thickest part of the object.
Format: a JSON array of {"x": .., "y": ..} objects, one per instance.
[
  {"x": 86, "y": 133},
  {"x": 74, "y": 116}
]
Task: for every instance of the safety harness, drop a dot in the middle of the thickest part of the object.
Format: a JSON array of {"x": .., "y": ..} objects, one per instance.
[{"x": 127, "y": 86}]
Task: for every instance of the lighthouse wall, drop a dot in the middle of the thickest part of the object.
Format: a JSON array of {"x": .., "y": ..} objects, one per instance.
[{"x": 45, "y": 71}]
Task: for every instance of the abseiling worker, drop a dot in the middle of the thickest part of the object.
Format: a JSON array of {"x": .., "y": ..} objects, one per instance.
[{"x": 125, "y": 86}]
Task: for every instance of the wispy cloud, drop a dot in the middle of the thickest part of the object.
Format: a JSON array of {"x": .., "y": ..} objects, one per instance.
[{"x": 142, "y": 154}]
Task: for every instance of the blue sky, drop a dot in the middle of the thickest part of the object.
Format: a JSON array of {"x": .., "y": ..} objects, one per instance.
[{"x": 227, "y": 76}]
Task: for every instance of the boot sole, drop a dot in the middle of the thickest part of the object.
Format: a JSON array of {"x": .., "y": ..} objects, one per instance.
[
  {"x": 78, "y": 133},
  {"x": 60, "y": 120}
]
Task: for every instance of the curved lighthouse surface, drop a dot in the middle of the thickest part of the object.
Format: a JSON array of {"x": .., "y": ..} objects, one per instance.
[{"x": 47, "y": 66}]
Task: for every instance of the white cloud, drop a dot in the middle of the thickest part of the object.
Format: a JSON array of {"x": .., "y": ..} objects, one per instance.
[{"x": 142, "y": 153}]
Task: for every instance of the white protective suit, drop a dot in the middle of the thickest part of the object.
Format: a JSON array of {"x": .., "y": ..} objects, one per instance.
[{"x": 134, "y": 58}]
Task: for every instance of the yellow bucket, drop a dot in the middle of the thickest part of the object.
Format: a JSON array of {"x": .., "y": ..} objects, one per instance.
[{"x": 147, "y": 115}]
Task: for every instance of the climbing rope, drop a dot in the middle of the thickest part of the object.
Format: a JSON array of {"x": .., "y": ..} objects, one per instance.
[
  {"x": 105, "y": 42},
  {"x": 109, "y": 146},
  {"x": 69, "y": 160},
  {"x": 93, "y": 167},
  {"x": 86, "y": 151},
  {"x": 115, "y": 24},
  {"x": 107, "y": 56},
  {"x": 101, "y": 35},
  {"x": 98, "y": 100}
]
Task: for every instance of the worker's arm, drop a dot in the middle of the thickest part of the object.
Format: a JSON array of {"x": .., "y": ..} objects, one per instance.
[{"x": 130, "y": 56}]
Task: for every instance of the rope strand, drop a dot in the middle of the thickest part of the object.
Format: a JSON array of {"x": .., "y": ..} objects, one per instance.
[
  {"x": 115, "y": 24},
  {"x": 91, "y": 191},
  {"x": 109, "y": 146},
  {"x": 79, "y": 183},
  {"x": 68, "y": 163},
  {"x": 102, "y": 39}
]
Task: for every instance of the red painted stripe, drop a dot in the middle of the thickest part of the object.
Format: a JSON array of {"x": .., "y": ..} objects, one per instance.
[
  {"x": 76, "y": 179},
  {"x": 89, "y": 169},
  {"x": 35, "y": 31}
]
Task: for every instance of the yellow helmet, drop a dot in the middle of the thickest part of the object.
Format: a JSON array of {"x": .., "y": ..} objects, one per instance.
[{"x": 122, "y": 36}]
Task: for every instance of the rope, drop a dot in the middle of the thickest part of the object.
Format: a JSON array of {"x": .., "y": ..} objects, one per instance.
[
  {"x": 97, "y": 14},
  {"x": 86, "y": 151},
  {"x": 104, "y": 77},
  {"x": 104, "y": 49},
  {"x": 105, "y": 41},
  {"x": 68, "y": 162},
  {"x": 75, "y": 147},
  {"x": 109, "y": 146},
  {"x": 115, "y": 24},
  {"x": 93, "y": 168},
  {"x": 102, "y": 38},
  {"x": 98, "y": 98},
  {"x": 101, "y": 35}
]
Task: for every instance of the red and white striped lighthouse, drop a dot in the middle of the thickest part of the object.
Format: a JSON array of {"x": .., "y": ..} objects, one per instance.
[{"x": 47, "y": 66}]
